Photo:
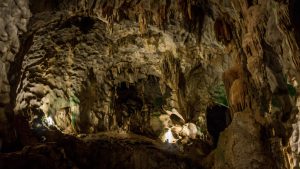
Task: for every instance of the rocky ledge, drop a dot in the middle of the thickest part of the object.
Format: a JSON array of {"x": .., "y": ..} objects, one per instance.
[{"x": 100, "y": 151}]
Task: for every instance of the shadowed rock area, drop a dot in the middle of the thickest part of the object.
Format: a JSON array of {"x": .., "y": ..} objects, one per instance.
[{"x": 131, "y": 151}]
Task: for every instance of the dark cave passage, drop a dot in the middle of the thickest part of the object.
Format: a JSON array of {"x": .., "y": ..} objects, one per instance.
[
  {"x": 127, "y": 103},
  {"x": 294, "y": 8},
  {"x": 217, "y": 119},
  {"x": 134, "y": 103}
]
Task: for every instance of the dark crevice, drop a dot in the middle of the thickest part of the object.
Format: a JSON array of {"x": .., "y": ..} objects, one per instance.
[
  {"x": 127, "y": 103},
  {"x": 14, "y": 72},
  {"x": 85, "y": 24},
  {"x": 250, "y": 3},
  {"x": 223, "y": 31},
  {"x": 294, "y": 8},
  {"x": 14, "y": 75},
  {"x": 195, "y": 20},
  {"x": 217, "y": 119},
  {"x": 134, "y": 103},
  {"x": 37, "y": 6}
]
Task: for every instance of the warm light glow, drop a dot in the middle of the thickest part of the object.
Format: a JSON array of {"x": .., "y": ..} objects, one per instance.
[{"x": 49, "y": 121}]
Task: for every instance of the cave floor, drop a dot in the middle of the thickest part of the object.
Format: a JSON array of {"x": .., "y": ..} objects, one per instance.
[{"x": 103, "y": 150}]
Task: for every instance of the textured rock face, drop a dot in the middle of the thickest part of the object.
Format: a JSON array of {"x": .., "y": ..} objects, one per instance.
[
  {"x": 94, "y": 66},
  {"x": 88, "y": 76},
  {"x": 100, "y": 80},
  {"x": 294, "y": 142},
  {"x": 231, "y": 149},
  {"x": 14, "y": 16}
]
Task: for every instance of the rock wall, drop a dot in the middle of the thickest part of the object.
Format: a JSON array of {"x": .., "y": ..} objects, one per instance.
[
  {"x": 14, "y": 16},
  {"x": 257, "y": 86},
  {"x": 77, "y": 59}
]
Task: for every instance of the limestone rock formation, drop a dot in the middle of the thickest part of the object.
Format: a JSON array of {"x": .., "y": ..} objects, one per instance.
[
  {"x": 215, "y": 79},
  {"x": 14, "y": 16}
]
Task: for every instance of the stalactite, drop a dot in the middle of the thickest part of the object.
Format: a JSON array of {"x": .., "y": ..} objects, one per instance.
[
  {"x": 237, "y": 96},
  {"x": 142, "y": 22},
  {"x": 230, "y": 75},
  {"x": 236, "y": 88}
]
